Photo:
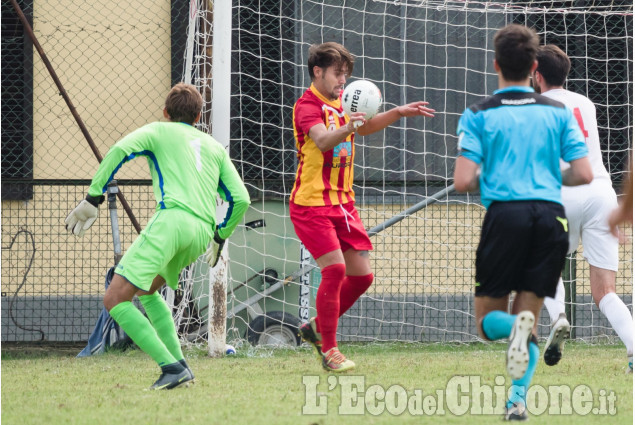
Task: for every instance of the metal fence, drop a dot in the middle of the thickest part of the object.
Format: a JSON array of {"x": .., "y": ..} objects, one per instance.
[{"x": 117, "y": 65}]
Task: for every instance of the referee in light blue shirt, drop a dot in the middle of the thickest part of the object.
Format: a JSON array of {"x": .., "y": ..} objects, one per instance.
[
  {"x": 510, "y": 145},
  {"x": 518, "y": 138}
]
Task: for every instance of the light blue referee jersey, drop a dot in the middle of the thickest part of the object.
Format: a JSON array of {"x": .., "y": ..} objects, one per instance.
[{"x": 518, "y": 138}]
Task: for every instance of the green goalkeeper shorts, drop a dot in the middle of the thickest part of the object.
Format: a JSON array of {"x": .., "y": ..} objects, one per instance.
[{"x": 172, "y": 240}]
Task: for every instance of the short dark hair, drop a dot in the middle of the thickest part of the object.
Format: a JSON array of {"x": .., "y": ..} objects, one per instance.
[
  {"x": 328, "y": 54},
  {"x": 515, "y": 48},
  {"x": 183, "y": 103},
  {"x": 553, "y": 64}
]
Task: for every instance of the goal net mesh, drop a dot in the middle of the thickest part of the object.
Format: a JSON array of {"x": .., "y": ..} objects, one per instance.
[{"x": 437, "y": 51}]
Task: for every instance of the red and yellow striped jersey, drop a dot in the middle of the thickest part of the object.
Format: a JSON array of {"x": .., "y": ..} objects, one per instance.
[{"x": 323, "y": 178}]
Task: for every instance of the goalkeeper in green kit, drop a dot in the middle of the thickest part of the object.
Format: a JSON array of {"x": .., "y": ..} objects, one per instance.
[{"x": 189, "y": 168}]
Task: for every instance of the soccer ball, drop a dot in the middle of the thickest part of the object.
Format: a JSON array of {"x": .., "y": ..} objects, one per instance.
[
  {"x": 361, "y": 96},
  {"x": 229, "y": 350}
]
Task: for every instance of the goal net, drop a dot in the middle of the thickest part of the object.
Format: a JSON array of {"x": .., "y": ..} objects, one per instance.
[{"x": 437, "y": 51}]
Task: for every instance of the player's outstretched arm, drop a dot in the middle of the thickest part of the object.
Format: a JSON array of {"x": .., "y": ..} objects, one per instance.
[
  {"x": 85, "y": 214},
  {"x": 121, "y": 152},
  {"x": 384, "y": 119},
  {"x": 624, "y": 212}
]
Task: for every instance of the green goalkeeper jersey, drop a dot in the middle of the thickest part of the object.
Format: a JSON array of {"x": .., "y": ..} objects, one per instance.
[{"x": 188, "y": 169}]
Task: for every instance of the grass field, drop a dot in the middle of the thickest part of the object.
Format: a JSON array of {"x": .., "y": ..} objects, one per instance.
[{"x": 261, "y": 386}]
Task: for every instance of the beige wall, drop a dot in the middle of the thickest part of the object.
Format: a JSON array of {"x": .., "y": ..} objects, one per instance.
[
  {"x": 433, "y": 252},
  {"x": 113, "y": 59}
]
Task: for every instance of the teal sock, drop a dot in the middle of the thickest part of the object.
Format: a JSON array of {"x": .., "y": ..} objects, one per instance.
[
  {"x": 161, "y": 318},
  {"x": 497, "y": 324},
  {"x": 518, "y": 390},
  {"x": 141, "y": 332}
]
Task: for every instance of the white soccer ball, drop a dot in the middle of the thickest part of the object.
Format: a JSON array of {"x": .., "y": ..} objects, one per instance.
[
  {"x": 230, "y": 350},
  {"x": 361, "y": 96}
]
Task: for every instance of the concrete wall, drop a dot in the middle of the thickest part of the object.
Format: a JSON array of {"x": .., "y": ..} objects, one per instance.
[{"x": 387, "y": 318}]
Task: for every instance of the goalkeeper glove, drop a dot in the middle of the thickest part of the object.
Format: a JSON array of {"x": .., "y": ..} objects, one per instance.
[
  {"x": 83, "y": 216},
  {"x": 212, "y": 255}
]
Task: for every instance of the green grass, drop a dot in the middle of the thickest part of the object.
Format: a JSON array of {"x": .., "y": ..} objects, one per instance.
[{"x": 266, "y": 386}]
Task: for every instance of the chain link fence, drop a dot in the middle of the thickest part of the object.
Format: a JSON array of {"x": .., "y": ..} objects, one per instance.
[{"x": 118, "y": 63}]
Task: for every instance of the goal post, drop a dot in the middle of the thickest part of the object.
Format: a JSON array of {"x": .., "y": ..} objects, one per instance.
[
  {"x": 202, "y": 311},
  {"x": 221, "y": 84}
]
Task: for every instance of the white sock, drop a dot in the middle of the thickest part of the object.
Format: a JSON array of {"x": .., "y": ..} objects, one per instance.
[
  {"x": 555, "y": 305},
  {"x": 620, "y": 318}
]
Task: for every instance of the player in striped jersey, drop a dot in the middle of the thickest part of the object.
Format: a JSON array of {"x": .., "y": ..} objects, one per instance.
[
  {"x": 322, "y": 203},
  {"x": 588, "y": 208}
]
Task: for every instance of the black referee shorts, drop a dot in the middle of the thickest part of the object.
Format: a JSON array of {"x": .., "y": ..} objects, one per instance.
[{"x": 522, "y": 248}]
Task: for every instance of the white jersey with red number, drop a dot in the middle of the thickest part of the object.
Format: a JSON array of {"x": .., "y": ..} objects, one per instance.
[
  {"x": 588, "y": 206},
  {"x": 584, "y": 112}
]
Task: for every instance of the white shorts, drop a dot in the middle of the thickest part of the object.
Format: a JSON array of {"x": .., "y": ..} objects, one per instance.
[{"x": 588, "y": 208}]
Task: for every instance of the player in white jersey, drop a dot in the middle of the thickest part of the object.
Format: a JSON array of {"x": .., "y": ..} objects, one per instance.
[{"x": 588, "y": 208}]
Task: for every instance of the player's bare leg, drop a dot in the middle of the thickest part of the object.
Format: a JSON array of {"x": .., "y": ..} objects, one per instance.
[
  {"x": 602, "y": 282},
  {"x": 357, "y": 262},
  {"x": 485, "y": 305},
  {"x": 603, "y": 292},
  {"x": 526, "y": 300}
]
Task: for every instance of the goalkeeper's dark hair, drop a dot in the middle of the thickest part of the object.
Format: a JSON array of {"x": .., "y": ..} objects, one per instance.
[
  {"x": 183, "y": 103},
  {"x": 328, "y": 54},
  {"x": 515, "y": 48},
  {"x": 553, "y": 64}
]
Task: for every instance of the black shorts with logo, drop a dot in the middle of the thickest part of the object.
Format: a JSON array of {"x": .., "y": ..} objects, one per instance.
[{"x": 522, "y": 248}]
